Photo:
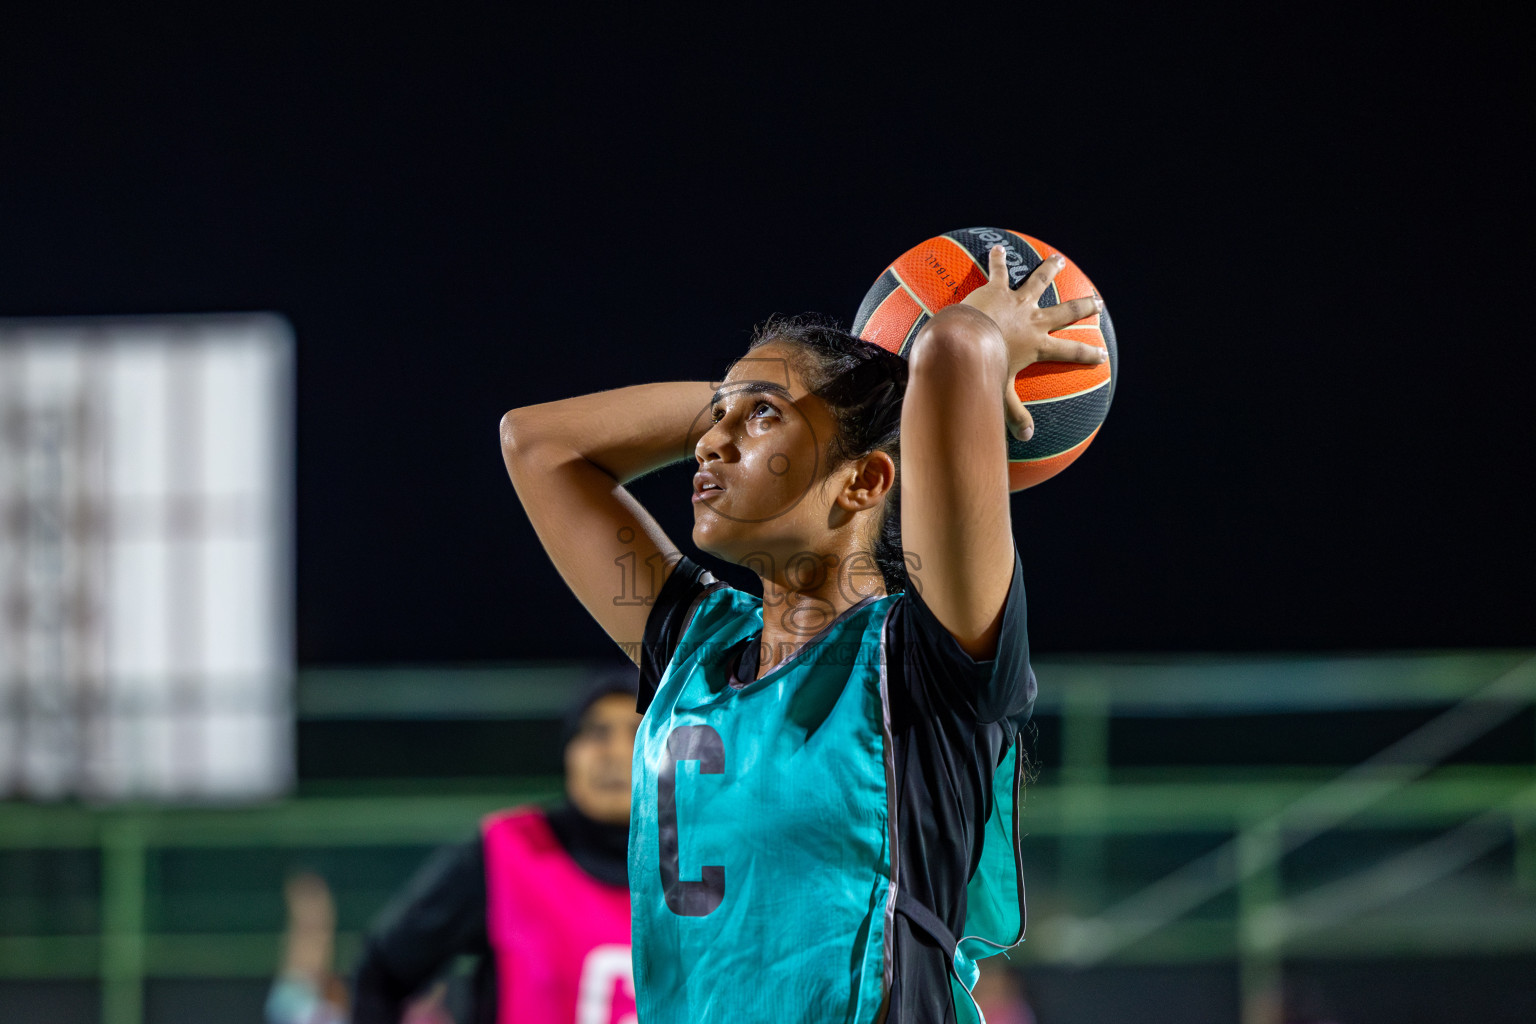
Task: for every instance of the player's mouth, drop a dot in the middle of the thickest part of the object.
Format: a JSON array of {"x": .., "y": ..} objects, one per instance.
[{"x": 706, "y": 486}]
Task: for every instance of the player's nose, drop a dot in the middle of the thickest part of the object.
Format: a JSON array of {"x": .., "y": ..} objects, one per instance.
[{"x": 713, "y": 444}]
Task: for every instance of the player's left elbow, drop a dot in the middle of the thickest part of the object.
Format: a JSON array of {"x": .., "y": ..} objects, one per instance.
[{"x": 956, "y": 350}]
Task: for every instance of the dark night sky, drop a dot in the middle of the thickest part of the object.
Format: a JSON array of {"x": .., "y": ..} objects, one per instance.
[{"x": 1310, "y": 231}]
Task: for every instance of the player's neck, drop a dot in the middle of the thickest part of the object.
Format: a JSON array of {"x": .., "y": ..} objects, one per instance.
[{"x": 793, "y": 617}]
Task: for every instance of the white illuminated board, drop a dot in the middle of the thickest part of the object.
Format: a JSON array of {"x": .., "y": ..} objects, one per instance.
[{"x": 146, "y": 558}]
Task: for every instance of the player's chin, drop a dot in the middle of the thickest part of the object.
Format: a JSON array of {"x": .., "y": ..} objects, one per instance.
[
  {"x": 712, "y": 534},
  {"x": 729, "y": 541},
  {"x": 612, "y": 810}
]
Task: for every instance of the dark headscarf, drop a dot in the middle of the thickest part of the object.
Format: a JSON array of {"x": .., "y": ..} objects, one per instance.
[{"x": 604, "y": 684}]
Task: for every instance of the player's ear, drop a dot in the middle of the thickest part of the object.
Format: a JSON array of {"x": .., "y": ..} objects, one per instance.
[{"x": 872, "y": 479}]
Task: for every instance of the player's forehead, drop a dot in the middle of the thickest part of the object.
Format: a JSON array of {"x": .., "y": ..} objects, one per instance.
[
  {"x": 610, "y": 709},
  {"x": 770, "y": 367}
]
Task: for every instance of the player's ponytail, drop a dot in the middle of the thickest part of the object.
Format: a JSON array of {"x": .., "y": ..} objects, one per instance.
[{"x": 863, "y": 385}]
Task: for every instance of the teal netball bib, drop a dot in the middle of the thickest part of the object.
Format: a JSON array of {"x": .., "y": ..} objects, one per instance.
[
  {"x": 995, "y": 915},
  {"x": 760, "y": 837},
  {"x": 760, "y": 833}
]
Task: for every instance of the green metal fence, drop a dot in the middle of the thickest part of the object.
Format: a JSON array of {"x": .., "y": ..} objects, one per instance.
[{"x": 1401, "y": 855}]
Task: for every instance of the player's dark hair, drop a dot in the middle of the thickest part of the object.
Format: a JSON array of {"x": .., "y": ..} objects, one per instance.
[{"x": 863, "y": 385}]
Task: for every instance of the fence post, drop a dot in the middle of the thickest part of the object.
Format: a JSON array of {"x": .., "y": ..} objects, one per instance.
[
  {"x": 1085, "y": 774},
  {"x": 1525, "y": 840},
  {"x": 1258, "y": 900},
  {"x": 122, "y": 920},
  {"x": 1525, "y": 850},
  {"x": 1523, "y": 820}
]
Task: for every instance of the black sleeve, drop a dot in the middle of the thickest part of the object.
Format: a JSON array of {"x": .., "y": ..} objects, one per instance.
[
  {"x": 666, "y": 624},
  {"x": 440, "y": 915},
  {"x": 952, "y": 720},
  {"x": 983, "y": 691}
]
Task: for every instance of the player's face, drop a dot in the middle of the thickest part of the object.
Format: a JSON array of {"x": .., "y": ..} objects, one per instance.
[
  {"x": 759, "y": 463},
  {"x": 598, "y": 757}
]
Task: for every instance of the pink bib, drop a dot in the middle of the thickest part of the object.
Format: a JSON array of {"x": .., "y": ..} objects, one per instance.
[{"x": 561, "y": 937}]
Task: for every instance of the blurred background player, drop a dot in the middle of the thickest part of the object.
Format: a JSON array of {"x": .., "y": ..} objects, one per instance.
[
  {"x": 307, "y": 989},
  {"x": 541, "y": 897},
  {"x": 999, "y": 995}
]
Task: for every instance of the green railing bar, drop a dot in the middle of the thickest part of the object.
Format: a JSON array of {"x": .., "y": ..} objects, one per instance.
[
  {"x": 229, "y": 956},
  {"x": 1204, "y": 940},
  {"x": 1126, "y": 807},
  {"x": 50, "y": 956},
  {"x": 524, "y": 690},
  {"x": 211, "y": 955},
  {"x": 1447, "y": 795},
  {"x": 322, "y": 821},
  {"x": 1423, "y": 935},
  {"x": 1193, "y": 940},
  {"x": 1216, "y": 684},
  {"x": 1160, "y": 685}
]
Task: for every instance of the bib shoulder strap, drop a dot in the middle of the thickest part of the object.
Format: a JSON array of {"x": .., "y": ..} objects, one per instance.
[{"x": 926, "y": 920}]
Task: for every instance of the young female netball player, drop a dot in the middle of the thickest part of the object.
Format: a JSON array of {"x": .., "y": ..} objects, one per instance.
[{"x": 814, "y": 775}]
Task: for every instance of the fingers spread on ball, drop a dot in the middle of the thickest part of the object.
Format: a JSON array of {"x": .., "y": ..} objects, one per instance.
[
  {"x": 1062, "y": 350},
  {"x": 1020, "y": 423},
  {"x": 1064, "y": 313},
  {"x": 997, "y": 265},
  {"x": 1040, "y": 278}
]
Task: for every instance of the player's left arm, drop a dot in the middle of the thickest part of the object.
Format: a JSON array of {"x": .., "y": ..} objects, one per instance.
[{"x": 956, "y": 530}]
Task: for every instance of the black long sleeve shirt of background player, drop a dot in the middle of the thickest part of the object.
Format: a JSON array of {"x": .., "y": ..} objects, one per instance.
[{"x": 441, "y": 915}]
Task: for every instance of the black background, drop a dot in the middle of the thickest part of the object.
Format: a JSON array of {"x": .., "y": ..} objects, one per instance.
[{"x": 1312, "y": 230}]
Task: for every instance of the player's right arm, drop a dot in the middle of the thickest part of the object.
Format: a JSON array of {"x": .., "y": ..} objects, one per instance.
[{"x": 569, "y": 461}]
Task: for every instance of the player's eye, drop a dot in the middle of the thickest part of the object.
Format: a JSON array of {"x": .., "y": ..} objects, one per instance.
[
  {"x": 716, "y": 414},
  {"x": 764, "y": 408}
]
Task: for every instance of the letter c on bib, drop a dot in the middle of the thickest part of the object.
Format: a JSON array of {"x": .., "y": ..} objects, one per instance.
[{"x": 703, "y": 744}]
